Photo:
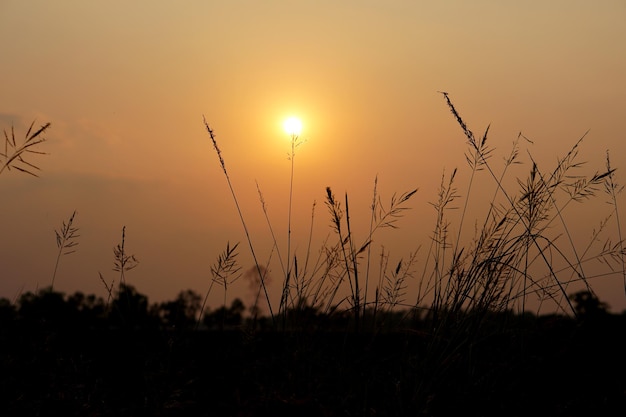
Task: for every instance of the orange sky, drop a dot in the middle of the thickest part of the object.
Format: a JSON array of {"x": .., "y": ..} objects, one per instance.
[{"x": 125, "y": 86}]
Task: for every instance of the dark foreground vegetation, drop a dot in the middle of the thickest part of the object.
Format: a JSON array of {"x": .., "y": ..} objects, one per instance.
[
  {"x": 82, "y": 355},
  {"x": 346, "y": 339}
]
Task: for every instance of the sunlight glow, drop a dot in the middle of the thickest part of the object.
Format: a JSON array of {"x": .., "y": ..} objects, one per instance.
[{"x": 293, "y": 126}]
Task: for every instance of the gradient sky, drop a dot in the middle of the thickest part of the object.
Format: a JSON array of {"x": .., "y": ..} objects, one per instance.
[{"x": 125, "y": 86}]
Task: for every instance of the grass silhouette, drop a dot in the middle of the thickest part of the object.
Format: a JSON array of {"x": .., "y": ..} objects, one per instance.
[
  {"x": 522, "y": 249},
  {"x": 15, "y": 153},
  {"x": 511, "y": 257},
  {"x": 348, "y": 335},
  {"x": 66, "y": 243}
]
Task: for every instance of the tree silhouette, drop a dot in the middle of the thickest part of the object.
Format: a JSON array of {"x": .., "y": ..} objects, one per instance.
[
  {"x": 129, "y": 309},
  {"x": 7, "y": 312},
  {"x": 226, "y": 317},
  {"x": 182, "y": 312},
  {"x": 45, "y": 308},
  {"x": 588, "y": 306}
]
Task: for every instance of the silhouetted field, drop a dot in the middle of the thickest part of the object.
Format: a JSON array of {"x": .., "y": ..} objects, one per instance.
[
  {"x": 343, "y": 340},
  {"x": 79, "y": 356}
]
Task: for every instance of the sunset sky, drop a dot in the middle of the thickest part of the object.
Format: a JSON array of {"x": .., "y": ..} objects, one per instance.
[{"x": 125, "y": 86}]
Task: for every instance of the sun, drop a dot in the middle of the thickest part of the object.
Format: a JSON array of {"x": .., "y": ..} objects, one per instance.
[{"x": 293, "y": 126}]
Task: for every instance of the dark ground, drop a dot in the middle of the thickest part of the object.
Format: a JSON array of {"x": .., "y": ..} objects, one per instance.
[{"x": 551, "y": 367}]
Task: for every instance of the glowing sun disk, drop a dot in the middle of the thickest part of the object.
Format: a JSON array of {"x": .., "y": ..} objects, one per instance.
[{"x": 293, "y": 126}]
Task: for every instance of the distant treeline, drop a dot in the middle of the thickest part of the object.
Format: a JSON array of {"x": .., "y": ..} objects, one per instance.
[{"x": 128, "y": 308}]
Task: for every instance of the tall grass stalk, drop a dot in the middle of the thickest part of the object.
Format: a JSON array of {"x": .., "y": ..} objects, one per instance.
[
  {"x": 274, "y": 242},
  {"x": 241, "y": 218},
  {"x": 356, "y": 299},
  {"x": 288, "y": 267},
  {"x": 369, "y": 248},
  {"x": 66, "y": 243},
  {"x": 301, "y": 283},
  {"x": 109, "y": 288},
  {"x": 123, "y": 262},
  {"x": 612, "y": 188},
  {"x": 225, "y": 271}
]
